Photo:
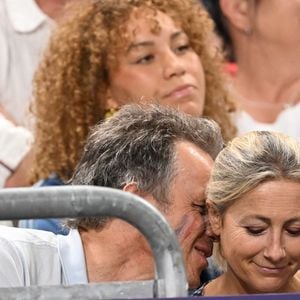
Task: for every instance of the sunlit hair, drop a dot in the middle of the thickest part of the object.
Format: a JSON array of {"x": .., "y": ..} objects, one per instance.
[
  {"x": 248, "y": 161},
  {"x": 138, "y": 145},
  {"x": 71, "y": 85}
]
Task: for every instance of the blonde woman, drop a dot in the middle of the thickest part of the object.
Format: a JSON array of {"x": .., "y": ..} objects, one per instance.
[{"x": 254, "y": 209}]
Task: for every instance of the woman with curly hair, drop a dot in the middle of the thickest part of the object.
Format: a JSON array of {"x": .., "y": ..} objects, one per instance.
[{"x": 106, "y": 53}]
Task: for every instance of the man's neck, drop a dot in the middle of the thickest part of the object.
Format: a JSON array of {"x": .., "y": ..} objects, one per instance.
[{"x": 129, "y": 260}]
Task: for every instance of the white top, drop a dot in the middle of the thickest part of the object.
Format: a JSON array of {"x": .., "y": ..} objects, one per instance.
[
  {"x": 15, "y": 142},
  {"x": 34, "y": 257},
  {"x": 287, "y": 122},
  {"x": 24, "y": 31}
]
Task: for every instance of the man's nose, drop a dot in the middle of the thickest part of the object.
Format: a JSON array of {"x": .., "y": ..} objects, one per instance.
[
  {"x": 173, "y": 65},
  {"x": 274, "y": 250},
  {"x": 208, "y": 229}
]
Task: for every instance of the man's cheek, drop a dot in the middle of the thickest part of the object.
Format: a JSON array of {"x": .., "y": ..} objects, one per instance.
[{"x": 185, "y": 227}]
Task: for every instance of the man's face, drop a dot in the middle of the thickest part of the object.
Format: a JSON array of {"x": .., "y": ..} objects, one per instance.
[{"x": 187, "y": 213}]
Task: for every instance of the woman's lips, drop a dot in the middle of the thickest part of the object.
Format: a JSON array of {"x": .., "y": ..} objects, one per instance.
[
  {"x": 270, "y": 270},
  {"x": 181, "y": 91}
]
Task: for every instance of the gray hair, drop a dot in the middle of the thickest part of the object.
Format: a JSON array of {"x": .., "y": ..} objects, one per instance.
[
  {"x": 248, "y": 161},
  {"x": 137, "y": 145}
]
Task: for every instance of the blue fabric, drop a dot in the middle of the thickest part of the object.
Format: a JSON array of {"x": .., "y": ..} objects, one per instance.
[
  {"x": 208, "y": 274},
  {"x": 52, "y": 225}
]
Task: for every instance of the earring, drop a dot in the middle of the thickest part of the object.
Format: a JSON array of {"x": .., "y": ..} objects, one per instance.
[
  {"x": 110, "y": 112},
  {"x": 248, "y": 31}
]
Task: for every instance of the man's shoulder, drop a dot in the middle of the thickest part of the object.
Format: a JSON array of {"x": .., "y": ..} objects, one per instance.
[
  {"x": 27, "y": 236},
  {"x": 26, "y": 255}
]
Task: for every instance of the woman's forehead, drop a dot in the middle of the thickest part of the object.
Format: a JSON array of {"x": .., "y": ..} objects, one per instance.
[{"x": 149, "y": 22}]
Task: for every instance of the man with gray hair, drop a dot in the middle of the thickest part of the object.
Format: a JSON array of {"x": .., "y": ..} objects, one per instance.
[{"x": 157, "y": 153}]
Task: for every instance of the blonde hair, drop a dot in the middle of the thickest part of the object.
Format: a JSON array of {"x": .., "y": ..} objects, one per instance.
[
  {"x": 248, "y": 161},
  {"x": 71, "y": 84}
]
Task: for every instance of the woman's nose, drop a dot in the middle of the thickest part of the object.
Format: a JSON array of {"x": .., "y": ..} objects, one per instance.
[
  {"x": 173, "y": 65},
  {"x": 274, "y": 250}
]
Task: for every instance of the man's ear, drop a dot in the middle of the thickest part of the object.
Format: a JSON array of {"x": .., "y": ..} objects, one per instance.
[
  {"x": 238, "y": 13},
  {"x": 132, "y": 187},
  {"x": 215, "y": 219}
]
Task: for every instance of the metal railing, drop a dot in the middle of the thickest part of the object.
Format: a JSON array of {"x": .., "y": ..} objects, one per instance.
[{"x": 85, "y": 201}]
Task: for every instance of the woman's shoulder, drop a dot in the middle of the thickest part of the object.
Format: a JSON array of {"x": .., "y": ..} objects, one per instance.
[{"x": 200, "y": 291}]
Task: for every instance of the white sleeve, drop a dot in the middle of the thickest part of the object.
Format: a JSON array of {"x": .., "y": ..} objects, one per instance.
[
  {"x": 12, "y": 270},
  {"x": 3, "y": 61},
  {"x": 15, "y": 142}
]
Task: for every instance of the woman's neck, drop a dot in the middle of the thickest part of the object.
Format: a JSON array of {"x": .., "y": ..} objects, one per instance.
[{"x": 267, "y": 81}]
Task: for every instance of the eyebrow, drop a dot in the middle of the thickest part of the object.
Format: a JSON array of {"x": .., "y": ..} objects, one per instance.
[
  {"x": 263, "y": 219},
  {"x": 151, "y": 43},
  {"x": 268, "y": 221}
]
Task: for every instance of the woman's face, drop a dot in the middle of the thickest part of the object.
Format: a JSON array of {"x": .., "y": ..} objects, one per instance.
[
  {"x": 158, "y": 67},
  {"x": 260, "y": 237}
]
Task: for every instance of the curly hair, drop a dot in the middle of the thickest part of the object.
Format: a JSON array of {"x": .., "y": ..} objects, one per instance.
[{"x": 71, "y": 84}]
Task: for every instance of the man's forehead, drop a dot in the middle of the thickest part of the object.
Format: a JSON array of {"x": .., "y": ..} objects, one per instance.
[{"x": 186, "y": 148}]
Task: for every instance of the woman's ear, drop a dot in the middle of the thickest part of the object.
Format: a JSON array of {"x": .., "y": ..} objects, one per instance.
[
  {"x": 214, "y": 218},
  {"x": 238, "y": 13},
  {"x": 111, "y": 105},
  {"x": 110, "y": 101}
]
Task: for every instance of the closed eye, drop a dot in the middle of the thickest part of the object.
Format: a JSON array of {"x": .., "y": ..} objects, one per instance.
[
  {"x": 255, "y": 230},
  {"x": 293, "y": 231},
  {"x": 201, "y": 208}
]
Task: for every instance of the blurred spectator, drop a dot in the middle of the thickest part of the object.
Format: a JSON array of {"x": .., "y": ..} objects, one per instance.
[
  {"x": 24, "y": 29},
  {"x": 262, "y": 38},
  {"x": 15, "y": 157},
  {"x": 15, "y": 143}
]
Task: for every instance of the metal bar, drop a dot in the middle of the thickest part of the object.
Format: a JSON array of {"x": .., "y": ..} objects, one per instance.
[
  {"x": 92, "y": 291},
  {"x": 83, "y": 201}
]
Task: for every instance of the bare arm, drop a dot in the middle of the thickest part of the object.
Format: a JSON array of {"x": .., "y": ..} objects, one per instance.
[{"x": 21, "y": 175}]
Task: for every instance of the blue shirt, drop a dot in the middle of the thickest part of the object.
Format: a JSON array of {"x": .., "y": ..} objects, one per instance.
[{"x": 53, "y": 225}]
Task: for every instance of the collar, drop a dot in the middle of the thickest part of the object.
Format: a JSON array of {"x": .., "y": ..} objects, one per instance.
[
  {"x": 25, "y": 17},
  {"x": 72, "y": 258}
]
